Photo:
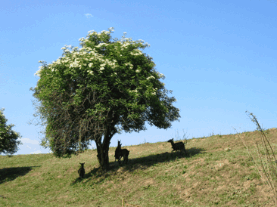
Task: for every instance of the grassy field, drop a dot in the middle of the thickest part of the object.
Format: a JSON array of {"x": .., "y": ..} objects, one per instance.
[{"x": 217, "y": 171}]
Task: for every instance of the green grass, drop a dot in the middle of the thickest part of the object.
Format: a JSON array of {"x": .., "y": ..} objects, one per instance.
[{"x": 208, "y": 176}]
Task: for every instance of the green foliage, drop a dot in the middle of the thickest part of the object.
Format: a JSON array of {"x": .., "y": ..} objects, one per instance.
[
  {"x": 98, "y": 90},
  {"x": 8, "y": 138}
]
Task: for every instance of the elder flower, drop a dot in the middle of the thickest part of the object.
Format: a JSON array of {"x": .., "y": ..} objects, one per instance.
[{"x": 150, "y": 77}]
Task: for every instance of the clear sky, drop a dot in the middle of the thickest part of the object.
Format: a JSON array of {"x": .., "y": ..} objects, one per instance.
[{"x": 218, "y": 57}]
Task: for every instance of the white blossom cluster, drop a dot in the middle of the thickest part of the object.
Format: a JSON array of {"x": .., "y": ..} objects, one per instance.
[
  {"x": 154, "y": 91},
  {"x": 89, "y": 58},
  {"x": 150, "y": 77},
  {"x": 39, "y": 71},
  {"x": 92, "y": 32},
  {"x": 101, "y": 44},
  {"x": 125, "y": 45},
  {"x": 134, "y": 91},
  {"x": 160, "y": 75},
  {"x": 130, "y": 64},
  {"x": 136, "y": 52}
]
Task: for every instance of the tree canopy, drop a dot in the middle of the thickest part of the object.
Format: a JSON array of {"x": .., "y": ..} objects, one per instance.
[
  {"x": 8, "y": 138},
  {"x": 93, "y": 92}
]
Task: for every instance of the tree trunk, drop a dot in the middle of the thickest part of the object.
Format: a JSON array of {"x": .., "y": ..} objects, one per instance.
[
  {"x": 103, "y": 148},
  {"x": 103, "y": 156}
]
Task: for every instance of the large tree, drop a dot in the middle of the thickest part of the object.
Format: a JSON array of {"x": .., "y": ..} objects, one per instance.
[
  {"x": 98, "y": 90},
  {"x": 8, "y": 138}
]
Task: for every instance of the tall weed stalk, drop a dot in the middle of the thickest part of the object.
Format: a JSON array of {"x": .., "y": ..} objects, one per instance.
[{"x": 264, "y": 157}]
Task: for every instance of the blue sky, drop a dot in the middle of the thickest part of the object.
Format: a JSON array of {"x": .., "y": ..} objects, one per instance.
[{"x": 218, "y": 57}]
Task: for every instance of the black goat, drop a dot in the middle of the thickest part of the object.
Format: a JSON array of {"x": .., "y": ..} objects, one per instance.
[
  {"x": 177, "y": 146},
  {"x": 125, "y": 155},
  {"x": 81, "y": 171},
  {"x": 119, "y": 153}
]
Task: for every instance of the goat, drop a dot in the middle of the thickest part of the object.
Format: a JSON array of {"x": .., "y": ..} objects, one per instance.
[
  {"x": 125, "y": 154},
  {"x": 81, "y": 171},
  {"x": 117, "y": 151},
  {"x": 177, "y": 146},
  {"x": 121, "y": 153}
]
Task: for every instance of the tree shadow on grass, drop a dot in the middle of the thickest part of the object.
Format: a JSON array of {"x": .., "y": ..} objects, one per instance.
[
  {"x": 145, "y": 162},
  {"x": 92, "y": 175},
  {"x": 11, "y": 173},
  {"x": 97, "y": 176}
]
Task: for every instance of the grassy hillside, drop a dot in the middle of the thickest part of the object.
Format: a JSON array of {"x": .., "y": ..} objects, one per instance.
[{"x": 217, "y": 172}]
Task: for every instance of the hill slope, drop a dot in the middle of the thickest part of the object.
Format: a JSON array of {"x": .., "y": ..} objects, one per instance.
[{"x": 217, "y": 171}]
